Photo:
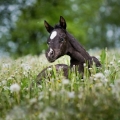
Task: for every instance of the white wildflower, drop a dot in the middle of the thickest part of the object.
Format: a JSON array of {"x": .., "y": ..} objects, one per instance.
[
  {"x": 84, "y": 64},
  {"x": 54, "y": 93},
  {"x": 26, "y": 67},
  {"x": 117, "y": 84},
  {"x": 15, "y": 88},
  {"x": 71, "y": 94},
  {"x": 40, "y": 86},
  {"x": 46, "y": 113},
  {"x": 107, "y": 73},
  {"x": 49, "y": 69},
  {"x": 6, "y": 88},
  {"x": 105, "y": 80},
  {"x": 6, "y": 65},
  {"x": 97, "y": 85},
  {"x": 25, "y": 73},
  {"x": 65, "y": 81},
  {"x": 8, "y": 117},
  {"x": 118, "y": 61},
  {"x": 33, "y": 100},
  {"x": 116, "y": 88},
  {"x": 50, "y": 90},
  {"x": 80, "y": 96},
  {"x": 17, "y": 113},
  {"x": 90, "y": 68},
  {"x": 60, "y": 67},
  {"x": 4, "y": 82},
  {"x": 111, "y": 63},
  {"x": 99, "y": 76},
  {"x": 41, "y": 95},
  {"x": 10, "y": 78}
]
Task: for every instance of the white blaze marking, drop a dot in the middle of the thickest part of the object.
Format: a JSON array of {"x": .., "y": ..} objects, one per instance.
[
  {"x": 54, "y": 33},
  {"x": 51, "y": 50}
]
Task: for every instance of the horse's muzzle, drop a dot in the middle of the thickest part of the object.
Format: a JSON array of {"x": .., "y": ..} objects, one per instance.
[{"x": 52, "y": 55}]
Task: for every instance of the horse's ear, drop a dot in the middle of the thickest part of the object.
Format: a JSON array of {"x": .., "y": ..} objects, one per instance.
[
  {"x": 63, "y": 22},
  {"x": 49, "y": 28}
]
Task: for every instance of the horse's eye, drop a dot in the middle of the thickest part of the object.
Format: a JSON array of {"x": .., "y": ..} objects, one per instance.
[{"x": 61, "y": 39}]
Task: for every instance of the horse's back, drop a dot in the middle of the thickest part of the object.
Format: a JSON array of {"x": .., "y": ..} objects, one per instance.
[
  {"x": 96, "y": 61},
  {"x": 49, "y": 71}
]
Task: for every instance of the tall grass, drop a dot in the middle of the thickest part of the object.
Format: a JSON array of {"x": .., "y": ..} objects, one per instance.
[{"x": 95, "y": 97}]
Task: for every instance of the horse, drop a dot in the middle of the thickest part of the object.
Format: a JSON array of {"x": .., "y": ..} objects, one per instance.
[{"x": 61, "y": 42}]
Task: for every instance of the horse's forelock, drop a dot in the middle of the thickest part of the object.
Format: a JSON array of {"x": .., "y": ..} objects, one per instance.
[{"x": 57, "y": 26}]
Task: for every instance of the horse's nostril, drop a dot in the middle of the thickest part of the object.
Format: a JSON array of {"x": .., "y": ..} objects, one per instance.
[{"x": 51, "y": 53}]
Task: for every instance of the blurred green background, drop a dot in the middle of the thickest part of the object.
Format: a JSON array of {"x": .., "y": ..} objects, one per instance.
[{"x": 94, "y": 23}]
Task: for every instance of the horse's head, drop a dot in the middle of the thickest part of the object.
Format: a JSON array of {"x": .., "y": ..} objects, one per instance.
[{"x": 57, "y": 41}]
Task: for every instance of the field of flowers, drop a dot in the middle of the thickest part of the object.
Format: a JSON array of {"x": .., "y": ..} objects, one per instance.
[{"x": 95, "y": 97}]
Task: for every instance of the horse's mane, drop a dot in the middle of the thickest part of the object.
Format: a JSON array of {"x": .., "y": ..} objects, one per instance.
[{"x": 78, "y": 47}]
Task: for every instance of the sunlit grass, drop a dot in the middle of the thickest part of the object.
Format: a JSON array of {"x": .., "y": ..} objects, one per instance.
[{"x": 95, "y": 97}]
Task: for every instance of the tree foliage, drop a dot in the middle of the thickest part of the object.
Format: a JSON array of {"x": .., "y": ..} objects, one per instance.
[
  {"x": 93, "y": 23},
  {"x": 106, "y": 27}
]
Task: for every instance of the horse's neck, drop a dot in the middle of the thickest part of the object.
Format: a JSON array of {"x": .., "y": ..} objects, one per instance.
[
  {"x": 76, "y": 52},
  {"x": 76, "y": 59}
]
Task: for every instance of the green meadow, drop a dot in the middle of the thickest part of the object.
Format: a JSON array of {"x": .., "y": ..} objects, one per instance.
[{"x": 93, "y": 97}]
